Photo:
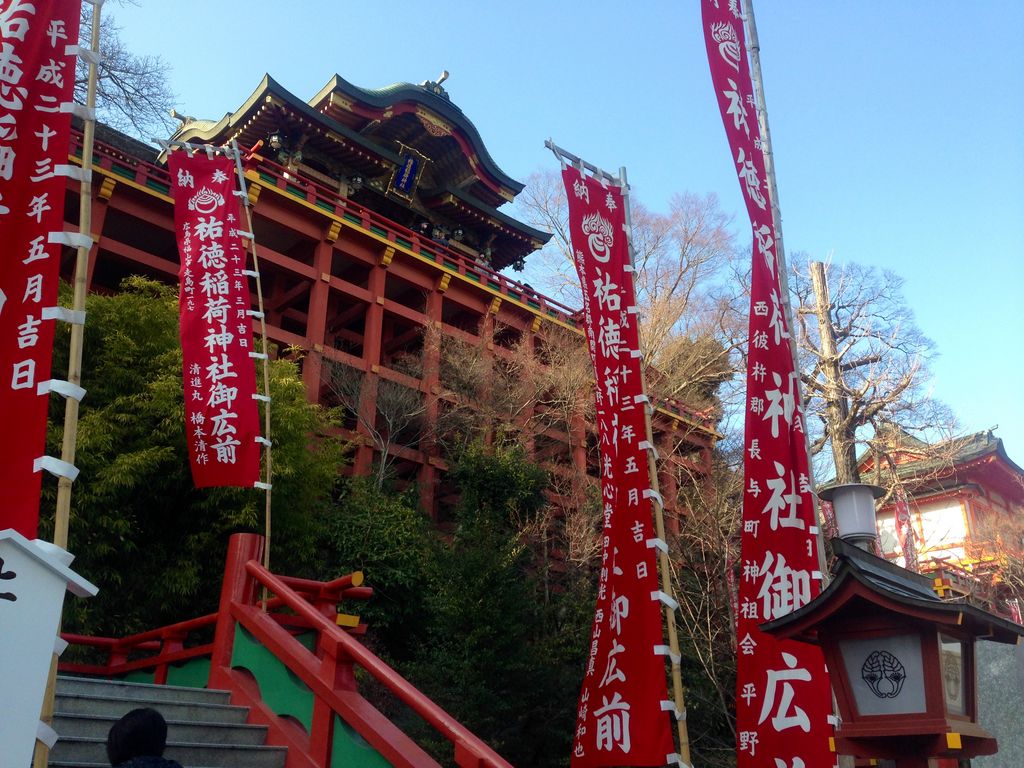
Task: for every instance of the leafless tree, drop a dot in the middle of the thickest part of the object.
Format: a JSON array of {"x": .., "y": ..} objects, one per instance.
[
  {"x": 865, "y": 374},
  {"x": 132, "y": 92},
  {"x": 396, "y": 416},
  {"x": 687, "y": 331},
  {"x": 705, "y": 560}
]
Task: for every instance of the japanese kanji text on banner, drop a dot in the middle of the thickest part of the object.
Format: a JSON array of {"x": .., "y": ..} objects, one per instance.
[
  {"x": 37, "y": 79},
  {"x": 621, "y": 719},
  {"x": 221, "y": 415},
  {"x": 783, "y": 697}
]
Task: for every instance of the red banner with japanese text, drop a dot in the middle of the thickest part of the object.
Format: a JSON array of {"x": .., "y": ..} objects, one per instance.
[
  {"x": 37, "y": 79},
  {"x": 905, "y": 531},
  {"x": 783, "y": 695},
  {"x": 621, "y": 719},
  {"x": 221, "y": 414}
]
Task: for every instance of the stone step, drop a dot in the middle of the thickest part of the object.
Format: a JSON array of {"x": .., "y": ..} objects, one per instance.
[
  {"x": 81, "y": 704},
  {"x": 143, "y": 691},
  {"x": 195, "y": 731},
  {"x": 203, "y": 729},
  {"x": 80, "y": 752}
]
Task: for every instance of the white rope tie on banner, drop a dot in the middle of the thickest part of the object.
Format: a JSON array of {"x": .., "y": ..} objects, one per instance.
[
  {"x": 262, "y": 486},
  {"x": 670, "y": 706},
  {"x": 650, "y": 493},
  {"x": 88, "y": 55},
  {"x": 262, "y": 440},
  {"x": 46, "y": 734},
  {"x": 61, "y": 387},
  {"x": 813, "y": 530},
  {"x": 70, "y": 316},
  {"x": 191, "y": 148},
  {"x": 633, "y": 310},
  {"x": 637, "y": 399},
  {"x": 243, "y": 234},
  {"x": 59, "y": 645},
  {"x": 254, "y": 313},
  {"x": 647, "y": 445},
  {"x": 817, "y": 575},
  {"x": 261, "y": 398},
  {"x": 71, "y": 172},
  {"x": 78, "y": 110},
  {"x": 55, "y": 467},
  {"x": 258, "y": 355},
  {"x": 636, "y": 354},
  {"x": 251, "y": 273},
  {"x": 655, "y": 543},
  {"x": 73, "y": 239},
  {"x": 664, "y": 650},
  {"x": 665, "y": 599},
  {"x": 674, "y": 758},
  {"x": 832, "y": 720},
  {"x": 568, "y": 158}
]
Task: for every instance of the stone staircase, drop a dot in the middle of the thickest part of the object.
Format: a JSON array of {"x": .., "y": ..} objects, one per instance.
[{"x": 203, "y": 730}]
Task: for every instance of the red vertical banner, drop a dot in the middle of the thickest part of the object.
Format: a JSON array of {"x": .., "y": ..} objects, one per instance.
[
  {"x": 783, "y": 696},
  {"x": 37, "y": 79},
  {"x": 221, "y": 415},
  {"x": 905, "y": 531},
  {"x": 622, "y": 718}
]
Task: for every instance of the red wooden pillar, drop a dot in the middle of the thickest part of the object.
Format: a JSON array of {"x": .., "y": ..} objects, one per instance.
[
  {"x": 238, "y": 587},
  {"x": 373, "y": 335},
  {"x": 431, "y": 389},
  {"x": 316, "y": 320}
]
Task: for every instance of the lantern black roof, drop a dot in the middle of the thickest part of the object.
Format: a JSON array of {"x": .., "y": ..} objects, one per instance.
[{"x": 868, "y": 583}]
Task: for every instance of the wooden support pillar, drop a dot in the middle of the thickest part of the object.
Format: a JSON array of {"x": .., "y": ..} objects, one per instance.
[
  {"x": 373, "y": 336},
  {"x": 431, "y": 391},
  {"x": 316, "y": 321}
]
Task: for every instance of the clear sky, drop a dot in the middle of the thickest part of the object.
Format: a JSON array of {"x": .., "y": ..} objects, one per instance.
[{"x": 897, "y": 126}]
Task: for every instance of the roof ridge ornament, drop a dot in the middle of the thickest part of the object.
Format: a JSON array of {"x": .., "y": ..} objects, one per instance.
[{"x": 434, "y": 86}]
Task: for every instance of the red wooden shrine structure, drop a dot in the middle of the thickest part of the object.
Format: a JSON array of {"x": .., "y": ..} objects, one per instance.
[{"x": 376, "y": 214}]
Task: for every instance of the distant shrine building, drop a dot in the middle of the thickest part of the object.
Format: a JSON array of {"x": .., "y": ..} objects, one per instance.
[{"x": 377, "y": 218}]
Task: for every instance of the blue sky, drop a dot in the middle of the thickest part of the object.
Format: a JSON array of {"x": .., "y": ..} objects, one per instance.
[{"x": 896, "y": 125}]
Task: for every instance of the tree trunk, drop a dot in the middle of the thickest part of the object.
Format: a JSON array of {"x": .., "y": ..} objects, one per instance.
[{"x": 840, "y": 430}]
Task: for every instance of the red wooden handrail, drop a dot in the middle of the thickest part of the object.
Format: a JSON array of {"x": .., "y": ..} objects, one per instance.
[{"x": 477, "y": 752}]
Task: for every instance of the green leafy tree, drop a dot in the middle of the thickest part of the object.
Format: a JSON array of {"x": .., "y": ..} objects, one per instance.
[
  {"x": 153, "y": 543},
  {"x": 386, "y": 537},
  {"x": 494, "y": 651}
]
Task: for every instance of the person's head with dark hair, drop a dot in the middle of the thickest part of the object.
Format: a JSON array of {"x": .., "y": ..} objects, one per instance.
[{"x": 140, "y": 733}]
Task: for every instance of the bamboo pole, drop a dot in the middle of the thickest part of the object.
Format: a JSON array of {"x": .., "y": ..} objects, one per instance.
[
  {"x": 62, "y": 514},
  {"x": 268, "y": 476},
  {"x": 664, "y": 564}
]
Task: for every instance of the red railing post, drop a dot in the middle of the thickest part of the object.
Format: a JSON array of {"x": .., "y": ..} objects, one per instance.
[{"x": 238, "y": 587}]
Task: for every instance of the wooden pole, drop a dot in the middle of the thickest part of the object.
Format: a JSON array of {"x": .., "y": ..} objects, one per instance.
[
  {"x": 780, "y": 252},
  {"x": 268, "y": 466},
  {"x": 843, "y": 454},
  {"x": 664, "y": 564},
  {"x": 67, "y": 454},
  {"x": 62, "y": 514}
]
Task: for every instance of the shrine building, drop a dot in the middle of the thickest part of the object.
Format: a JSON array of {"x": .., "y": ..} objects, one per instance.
[
  {"x": 377, "y": 216},
  {"x": 966, "y": 499}
]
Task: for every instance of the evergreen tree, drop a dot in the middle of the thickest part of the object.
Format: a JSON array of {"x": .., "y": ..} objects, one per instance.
[{"x": 153, "y": 543}]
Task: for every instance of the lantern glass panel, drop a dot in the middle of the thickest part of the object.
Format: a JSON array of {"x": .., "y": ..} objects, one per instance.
[
  {"x": 886, "y": 673},
  {"x": 951, "y": 651}
]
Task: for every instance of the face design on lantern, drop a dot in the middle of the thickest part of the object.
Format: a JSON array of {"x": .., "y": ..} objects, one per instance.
[{"x": 884, "y": 674}]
